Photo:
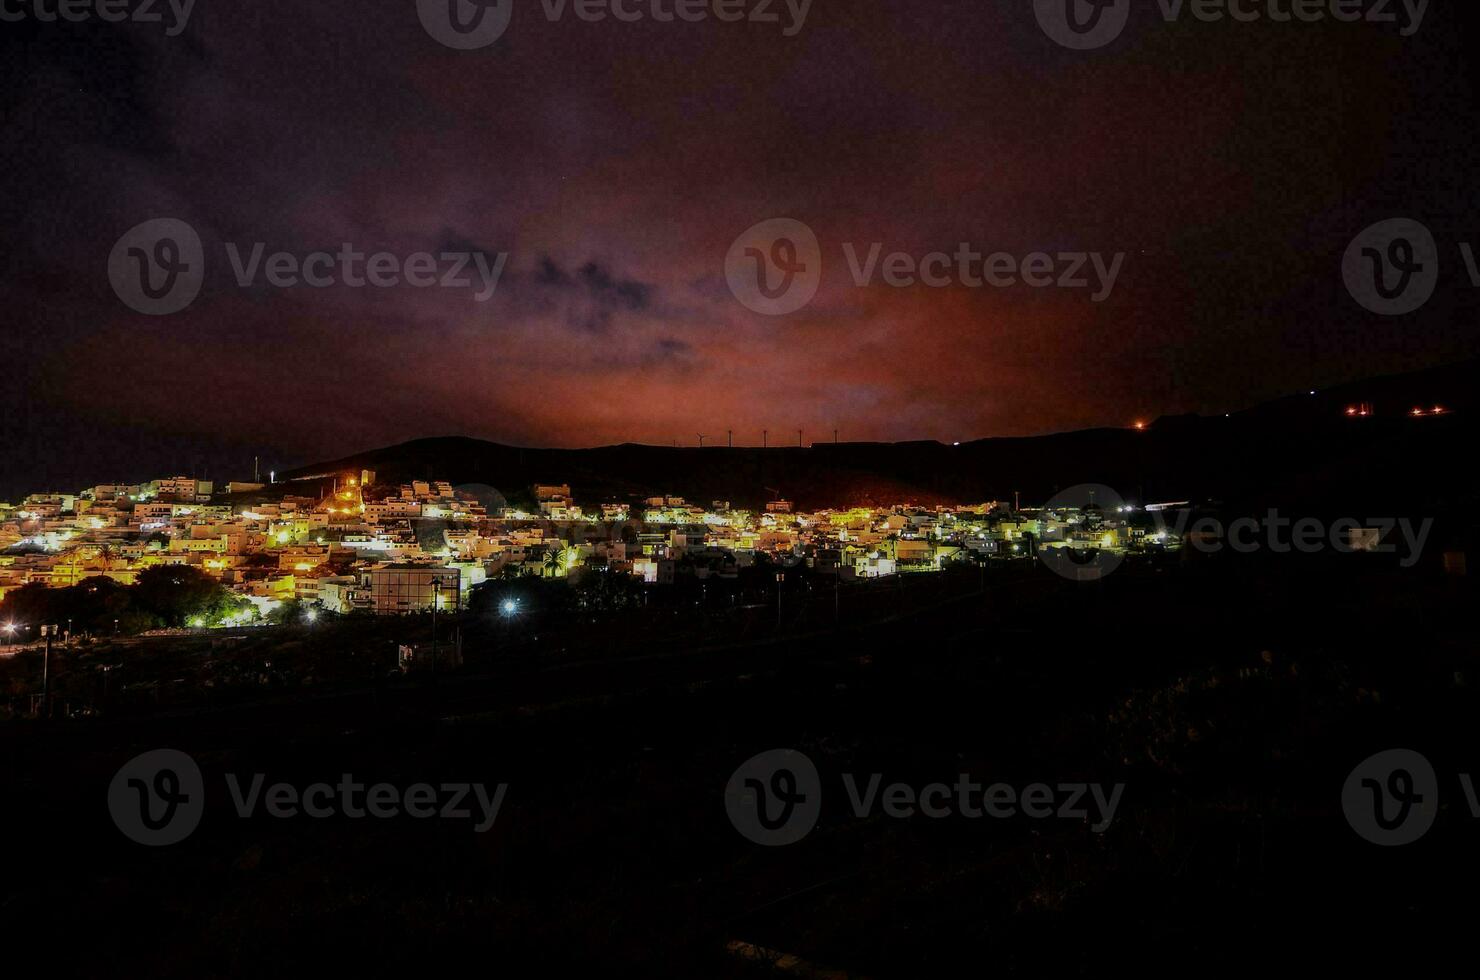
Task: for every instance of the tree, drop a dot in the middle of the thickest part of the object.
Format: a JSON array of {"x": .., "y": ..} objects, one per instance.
[
  {"x": 177, "y": 594},
  {"x": 31, "y": 603}
]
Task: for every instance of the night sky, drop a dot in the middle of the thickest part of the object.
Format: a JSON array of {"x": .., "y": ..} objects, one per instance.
[{"x": 616, "y": 163}]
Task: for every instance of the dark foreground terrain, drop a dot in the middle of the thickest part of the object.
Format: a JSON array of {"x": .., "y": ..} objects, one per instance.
[{"x": 1230, "y": 698}]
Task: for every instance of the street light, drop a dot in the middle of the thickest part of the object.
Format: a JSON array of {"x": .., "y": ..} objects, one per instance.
[
  {"x": 47, "y": 633},
  {"x": 436, "y": 601},
  {"x": 508, "y": 608}
]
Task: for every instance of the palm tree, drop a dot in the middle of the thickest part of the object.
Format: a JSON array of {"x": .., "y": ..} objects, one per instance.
[{"x": 554, "y": 561}]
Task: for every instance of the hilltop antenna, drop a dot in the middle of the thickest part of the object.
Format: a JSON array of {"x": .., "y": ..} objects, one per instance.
[
  {"x": 800, "y": 445},
  {"x": 765, "y": 439},
  {"x": 730, "y": 437},
  {"x": 835, "y": 437},
  {"x": 701, "y": 440}
]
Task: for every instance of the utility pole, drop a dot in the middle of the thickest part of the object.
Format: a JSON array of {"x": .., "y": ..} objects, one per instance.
[
  {"x": 780, "y": 578},
  {"x": 436, "y": 600},
  {"x": 765, "y": 439},
  {"x": 835, "y": 437},
  {"x": 46, "y": 632},
  {"x": 701, "y": 440},
  {"x": 730, "y": 438},
  {"x": 799, "y": 439}
]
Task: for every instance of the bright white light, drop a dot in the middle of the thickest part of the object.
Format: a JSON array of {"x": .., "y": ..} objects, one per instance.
[
  {"x": 313, "y": 614},
  {"x": 510, "y": 605}
]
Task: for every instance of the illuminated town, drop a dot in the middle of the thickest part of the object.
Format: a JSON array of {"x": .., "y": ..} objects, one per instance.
[{"x": 344, "y": 544}]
